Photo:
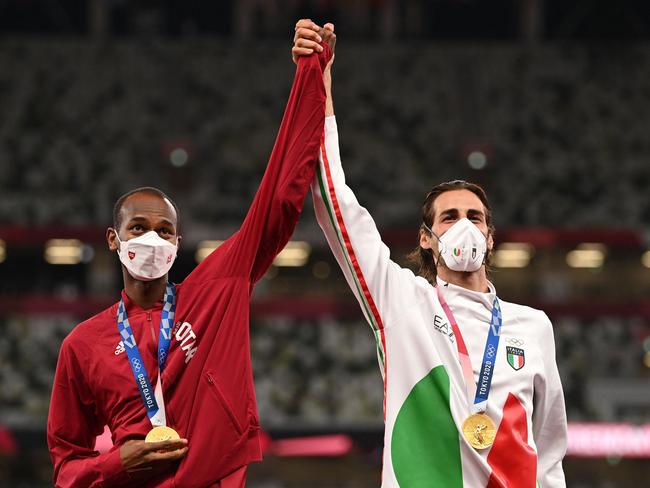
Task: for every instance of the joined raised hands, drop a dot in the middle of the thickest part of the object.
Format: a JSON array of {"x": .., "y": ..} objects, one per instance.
[{"x": 307, "y": 38}]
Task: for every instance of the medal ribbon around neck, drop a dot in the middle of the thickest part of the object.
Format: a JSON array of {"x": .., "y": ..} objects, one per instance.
[
  {"x": 489, "y": 355},
  {"x": 153, "y": 400}
]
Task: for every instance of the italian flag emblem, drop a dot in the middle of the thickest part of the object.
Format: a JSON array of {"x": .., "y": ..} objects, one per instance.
[
  {"x": 456, "y": 251},
  {"x": 516, "y": 357}
]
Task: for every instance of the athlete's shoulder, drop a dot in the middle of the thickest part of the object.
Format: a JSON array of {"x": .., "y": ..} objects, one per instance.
[
  {"x": 525, "y": 315},
  {"x": 86, "y": 333}
]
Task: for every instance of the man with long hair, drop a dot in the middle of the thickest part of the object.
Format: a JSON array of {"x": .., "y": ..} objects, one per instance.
[{"x": 472, "y": 394}]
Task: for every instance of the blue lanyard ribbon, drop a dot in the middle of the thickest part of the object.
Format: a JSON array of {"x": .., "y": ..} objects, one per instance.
[
  {"x": 133, "y": 353},
  {"x": 489, "y": 355}
]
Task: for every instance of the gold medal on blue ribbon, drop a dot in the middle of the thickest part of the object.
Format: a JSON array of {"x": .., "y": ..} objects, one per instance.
[
  {"x": 479, "y": 431},
  {"x": 161, "y": 433}
]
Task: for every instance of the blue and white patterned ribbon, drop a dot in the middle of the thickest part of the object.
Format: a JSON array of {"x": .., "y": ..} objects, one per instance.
[
  {"x": 153, "y": 400},
  {"x": 489, "y": 358}
]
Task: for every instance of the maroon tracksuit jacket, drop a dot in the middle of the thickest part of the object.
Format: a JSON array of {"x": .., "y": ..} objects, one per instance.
[{"x": 208, "y": 380}]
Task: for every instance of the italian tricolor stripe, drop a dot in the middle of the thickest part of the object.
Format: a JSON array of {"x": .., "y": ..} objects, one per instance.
[{"x": 336, "y": 217}]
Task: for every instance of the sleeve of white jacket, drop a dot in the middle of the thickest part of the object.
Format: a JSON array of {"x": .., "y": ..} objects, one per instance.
[
  {"x": 549, "y": 418},
  {"x": 380, "y": 285}
]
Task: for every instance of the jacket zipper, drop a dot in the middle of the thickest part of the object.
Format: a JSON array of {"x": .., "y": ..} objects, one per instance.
[{"x": 153, "y": 332}]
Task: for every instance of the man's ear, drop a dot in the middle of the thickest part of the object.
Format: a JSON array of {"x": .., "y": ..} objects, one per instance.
[
  {"x": 490, "y": 241},
  {"x": 111, "y": 239},
  {"x": 425, "y": 239},
  {"x": 178, "y": 241}
]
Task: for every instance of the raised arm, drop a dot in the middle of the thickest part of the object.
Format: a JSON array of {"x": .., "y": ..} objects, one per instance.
[
  {"x": 278, "y": 203},
  {"x": 378, "y": 283}
]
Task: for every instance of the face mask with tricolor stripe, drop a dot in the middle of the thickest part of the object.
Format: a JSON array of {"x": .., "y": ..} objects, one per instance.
[{"x": 463, "y": 246}]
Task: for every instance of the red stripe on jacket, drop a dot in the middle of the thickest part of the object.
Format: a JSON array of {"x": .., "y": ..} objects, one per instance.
[
  {"x": 513, "y": 461},
  {"x": 355, "y": 264}
]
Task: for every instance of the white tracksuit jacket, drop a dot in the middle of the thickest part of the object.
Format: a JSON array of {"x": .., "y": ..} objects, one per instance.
[{"x": 425, "y": 400}]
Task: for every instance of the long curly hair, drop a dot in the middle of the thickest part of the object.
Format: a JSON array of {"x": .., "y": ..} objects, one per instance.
[{"x": 423, "y": 258}]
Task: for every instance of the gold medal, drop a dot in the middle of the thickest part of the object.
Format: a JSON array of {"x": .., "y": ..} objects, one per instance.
[
  {"x": 161, "y": 433},
  {"x": 479, "y": 431}
]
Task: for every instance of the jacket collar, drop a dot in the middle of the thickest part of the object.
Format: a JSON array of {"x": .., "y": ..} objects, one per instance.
[
  {"x": 453, "y": 292},
  {"x": 133, "y": 308}
]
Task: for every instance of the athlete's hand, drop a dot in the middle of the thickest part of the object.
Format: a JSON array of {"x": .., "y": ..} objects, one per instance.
[
  {"x": 307, "y": 39},
  {"x": 327, "y": 34},
  {"x": 143, "y": 460}
]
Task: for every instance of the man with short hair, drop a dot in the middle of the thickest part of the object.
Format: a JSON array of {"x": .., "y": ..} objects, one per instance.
[
  {"x": 168, "y": 368},
  {"x": 472, "y": 394}
]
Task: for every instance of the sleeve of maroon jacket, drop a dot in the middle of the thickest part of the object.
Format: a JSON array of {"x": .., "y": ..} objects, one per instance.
[
  {"x": 72, "y": 427},
  {"x": 278, "y": 203}
]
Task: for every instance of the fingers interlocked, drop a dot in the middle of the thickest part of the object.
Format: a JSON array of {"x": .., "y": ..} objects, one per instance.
[{"x": 308, "y": 36}]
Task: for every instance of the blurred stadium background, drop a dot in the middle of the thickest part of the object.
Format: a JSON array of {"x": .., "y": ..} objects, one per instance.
[{"x": 544, "y": 102}]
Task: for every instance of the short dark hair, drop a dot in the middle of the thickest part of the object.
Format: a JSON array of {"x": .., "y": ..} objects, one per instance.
[
  {"x": 117, "y": 208},
  {"x": 423, "y": 258}
]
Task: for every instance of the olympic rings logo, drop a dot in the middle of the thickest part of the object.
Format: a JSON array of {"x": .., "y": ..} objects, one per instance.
[
  {"x": 514, "y": 341},
  {"x": 490, "y": 351},
  {"x": 162, "y": 354},
  {"x": 136, "y": 364}
]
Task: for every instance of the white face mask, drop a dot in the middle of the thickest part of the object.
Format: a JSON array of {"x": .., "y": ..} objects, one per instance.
[
  {"x": 463, "y": 247},
  {"x": 147, "y": 257}
]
